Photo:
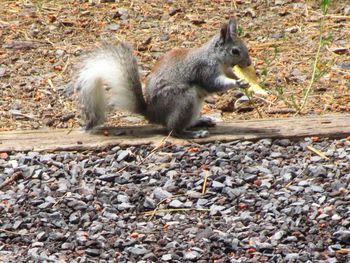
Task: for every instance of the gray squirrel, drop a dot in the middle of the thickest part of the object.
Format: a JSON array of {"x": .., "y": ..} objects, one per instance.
[{"x": 175, "y": 89}]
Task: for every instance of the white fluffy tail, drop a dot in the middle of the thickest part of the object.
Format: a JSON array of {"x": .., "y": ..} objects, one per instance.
[{"x": 109, "y": 77}]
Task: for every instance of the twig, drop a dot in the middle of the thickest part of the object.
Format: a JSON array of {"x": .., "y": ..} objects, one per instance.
[
  {"x": 60, "y": 199},
  {"x": 65, "y": 66},
  {"x": 264, "y": 100},
  {"x": 234, "y": 4},
  {"x": 14, "y": 177},
  {"x": 332, "y": 16},
  {"x": 158, "y": 146},
  {"x": 162, "y": 201},
  {"x": 343, "y": 251},
  {"x": 49, "y": 81},
  {"x": 4, "y": 22},
  {"x": 152, "y": 213}
]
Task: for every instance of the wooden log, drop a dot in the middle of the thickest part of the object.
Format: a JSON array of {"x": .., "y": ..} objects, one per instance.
[{"x": 331, "y": 126}]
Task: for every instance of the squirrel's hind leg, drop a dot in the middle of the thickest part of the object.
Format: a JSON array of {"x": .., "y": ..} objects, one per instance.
[{"x": 184, "y": 115}]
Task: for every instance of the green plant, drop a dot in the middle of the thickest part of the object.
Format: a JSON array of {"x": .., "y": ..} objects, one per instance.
[
  {"x": 240, "y": 30},
  {"x": 316, "y": 73},
  {"x": 325, "y": 5},
  {"x": 267, "y": 64}
]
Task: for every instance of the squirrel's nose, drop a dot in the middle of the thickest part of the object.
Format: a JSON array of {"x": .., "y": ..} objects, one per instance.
[
  {"x": 245, "y": 63},
  {"x": 249, "y": 62}
]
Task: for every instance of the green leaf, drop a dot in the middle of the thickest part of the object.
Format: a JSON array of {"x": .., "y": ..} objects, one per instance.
[{"x": 325, "y": 5}]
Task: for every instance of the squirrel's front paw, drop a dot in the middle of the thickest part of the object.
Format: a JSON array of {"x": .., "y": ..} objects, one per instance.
[{"x": 242, "y": 84}]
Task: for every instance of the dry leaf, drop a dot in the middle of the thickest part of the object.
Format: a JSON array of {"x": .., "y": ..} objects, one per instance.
[{"x": 249, "y": 75}]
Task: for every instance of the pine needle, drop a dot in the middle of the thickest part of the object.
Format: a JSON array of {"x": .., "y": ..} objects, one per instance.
[
  {"x": 319, "y": 153},
  {"x": 205, "y": 181}
]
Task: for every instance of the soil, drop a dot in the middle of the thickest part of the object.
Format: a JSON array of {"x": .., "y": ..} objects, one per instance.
[{"x": 40, "y": 42}]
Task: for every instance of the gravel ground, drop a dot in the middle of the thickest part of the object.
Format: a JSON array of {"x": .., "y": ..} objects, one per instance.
[{"x": 269, "y": 201}]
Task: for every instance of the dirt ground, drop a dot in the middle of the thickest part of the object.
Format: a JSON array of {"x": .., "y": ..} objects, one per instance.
[{"x": 40, "y": 42}]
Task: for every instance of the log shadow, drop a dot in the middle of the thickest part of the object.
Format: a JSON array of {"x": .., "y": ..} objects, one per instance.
[{"x": 146, "y": 131}]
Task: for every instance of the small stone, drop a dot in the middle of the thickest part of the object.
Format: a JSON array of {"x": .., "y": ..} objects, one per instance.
[
  {"x": 292, "y": 29},
  {"x": 96, "y": 227},
  {"x": 42, "y": 236},
  {"x": 137, "y": 250},
  {"x": 67, "y": 246},
  {"x": 275, "y": 154},
  {"x": 113, "y": 27},
  {"x": 166, "y": 257},
  {"x": 217, "y": 185},
  {"x": 161, "y": 194},
  {"x": 171, "y": 173},
  {"x": 37, "y": 244},
  {"x": 191, "y": 255},
  {"x": 13, "y": 163},
  {"x": 291, "y": 239},
  {"x": 292, "y": 257},
  {"x": 202, "y": 202},
  {"x": 17, "y": 223},
  {"x": 345, "y": 64},
  {"x": 94, "y": 252},
  {"x": 322, "y": 216},
  {"x": 123, "y": 155},
  {"x": 278, "y": 235},
  {"x": 264, "y": 246},
  {"x": 343, "y": 236},
  {"x": 283, "y": 142},
  {"x": 221, "y": 154},
  {"x": 149, "y": 203},
  {"x": 214, "y": 209},
  {"x": 318, "y": 171},
  {"x": 316, "y": 188},
  {"x": 59, "y": 53},
  {"x": 332, "y": 260},
  {"x": 336, "y": 217},
  {"x": 176, "y": 204},
  {"x": 124, "y": 206},
  {"x": 250, "y": 177},
  {"x": 74, "y": 218},
  {"x": 315, "y": 159}
]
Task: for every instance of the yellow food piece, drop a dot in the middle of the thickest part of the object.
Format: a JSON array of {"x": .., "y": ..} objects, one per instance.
[{"x": 249, "y": 75}]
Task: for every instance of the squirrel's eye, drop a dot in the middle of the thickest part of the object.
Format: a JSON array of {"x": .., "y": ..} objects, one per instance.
[{"x": 235, "y": 51}]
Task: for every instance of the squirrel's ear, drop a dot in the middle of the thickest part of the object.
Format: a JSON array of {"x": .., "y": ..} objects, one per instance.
[
  {"x": 228, "y": 31},
  {"x": 232, "y": 27}
]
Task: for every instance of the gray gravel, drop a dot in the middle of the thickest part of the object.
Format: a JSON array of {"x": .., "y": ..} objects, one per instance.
[{"x": 269, "y": 201}]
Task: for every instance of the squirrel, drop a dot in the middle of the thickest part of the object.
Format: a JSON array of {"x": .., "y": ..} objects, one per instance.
[{"x": 175, "y": 89}]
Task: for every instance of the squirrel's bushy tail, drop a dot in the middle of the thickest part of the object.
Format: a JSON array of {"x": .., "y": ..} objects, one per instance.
[{"x": 109, "y": 77}]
